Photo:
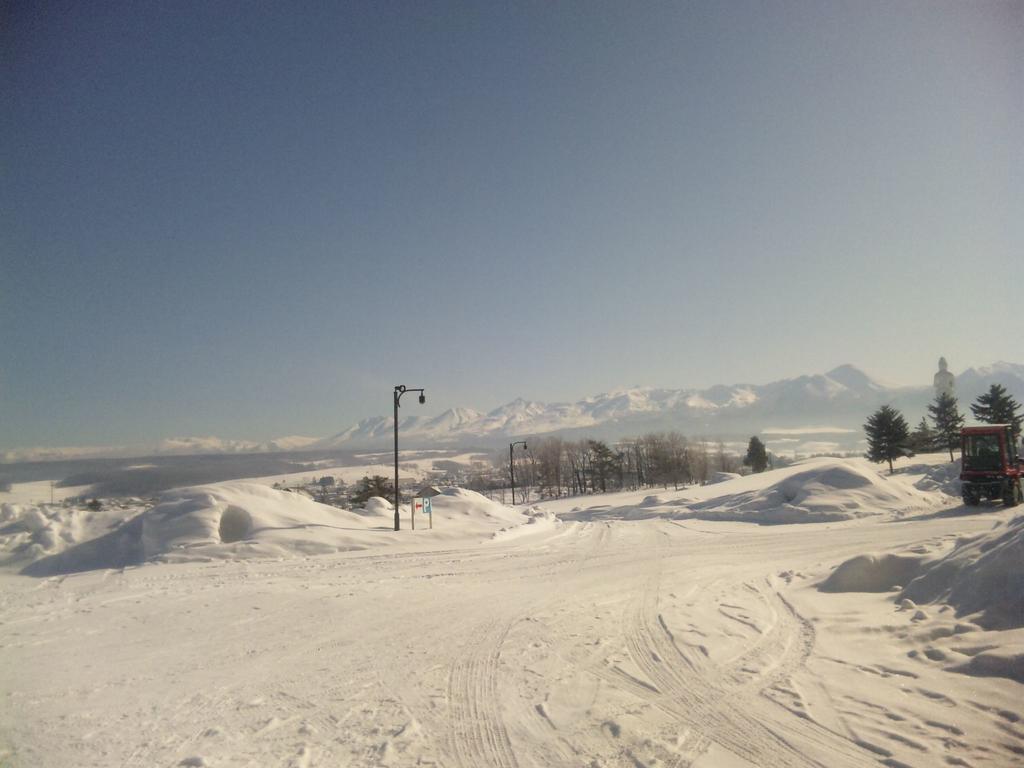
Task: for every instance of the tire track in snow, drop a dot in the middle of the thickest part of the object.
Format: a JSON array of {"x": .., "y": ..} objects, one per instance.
[
  {"x": 687, "y": 694},
  {"x": 763, "y": 672},
  {"x": 477, "y": 735},
  {"x": 699, "y": 695},
  {"x": 781, "y": 648}
]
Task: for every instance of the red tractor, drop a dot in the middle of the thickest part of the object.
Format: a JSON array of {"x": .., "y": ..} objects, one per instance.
[{"x": 992, "y": 468}]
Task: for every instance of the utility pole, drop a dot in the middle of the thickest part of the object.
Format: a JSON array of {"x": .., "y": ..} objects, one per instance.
[{"x": 512, "y": 467}]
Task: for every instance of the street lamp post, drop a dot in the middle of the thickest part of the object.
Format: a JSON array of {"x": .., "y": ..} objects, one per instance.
[
  {"x": 512, "y": 468},
  {"x": 400, "y": 390}
]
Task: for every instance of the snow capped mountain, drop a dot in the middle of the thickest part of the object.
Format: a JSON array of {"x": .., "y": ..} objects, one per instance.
[
  {"x": 842, "y": 398},
  {"x": 289, "y": 443},
  {"x": 454, "y": 418},
  {"x": 853, "y": 379},
  {"x": 187, "y": 446},
  {"x": 507, "y": 417},
  {"x": 370, "y": 429},
  {"x": 192, "y": 445},
  {"x": 1008, "y": 375}
]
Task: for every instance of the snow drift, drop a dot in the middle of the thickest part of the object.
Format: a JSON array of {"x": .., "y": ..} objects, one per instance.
[
  {"x": 816, "y": 490},
  {"x": 872, "y": 573},
  {"x": 29, "y": 532},
  {"x": 245, "y": 519},
  {"x": 976, "y": 589},
  {"x": 982, "y": 575},
  {"x": 944, "y": 478},
  {"x": 819, "y": 490}
]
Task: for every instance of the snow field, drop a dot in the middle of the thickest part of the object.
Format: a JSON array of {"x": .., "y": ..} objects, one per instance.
[{"x": 625, "y": 635}]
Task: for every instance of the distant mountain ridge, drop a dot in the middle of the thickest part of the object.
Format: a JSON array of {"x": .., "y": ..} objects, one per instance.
[
  {"x": 836, "y": 402},
  {"x": 842, "y": 398}
]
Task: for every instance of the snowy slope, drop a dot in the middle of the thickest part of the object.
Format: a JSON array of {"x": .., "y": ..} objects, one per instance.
[{"x": 816, "y": 490}]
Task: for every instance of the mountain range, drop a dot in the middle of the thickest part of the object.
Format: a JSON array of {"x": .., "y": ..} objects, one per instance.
[
  {"x": 833, "y": 404},
  {"x": 836, "y": 403}
]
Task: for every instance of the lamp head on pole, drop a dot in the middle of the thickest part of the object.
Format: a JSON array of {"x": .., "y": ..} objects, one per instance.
[{"x": 423, "y": 398}]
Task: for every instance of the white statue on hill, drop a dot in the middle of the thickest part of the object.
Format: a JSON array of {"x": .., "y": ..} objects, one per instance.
[{"x": 944, "y": 381}]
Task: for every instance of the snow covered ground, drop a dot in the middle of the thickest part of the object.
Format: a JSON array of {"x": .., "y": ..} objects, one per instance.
[{"x": 634, "y": 629}]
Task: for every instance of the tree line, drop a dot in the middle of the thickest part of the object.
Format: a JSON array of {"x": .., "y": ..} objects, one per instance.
[
  {"x": 555, "y": 467},
  {"x": 889, "y": 436}
]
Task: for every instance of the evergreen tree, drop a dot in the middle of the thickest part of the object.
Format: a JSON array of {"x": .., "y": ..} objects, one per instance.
[
  {"x": 997, "y": 407},
  {"x": 377, "y": 485},
  {"x": 888, "y": 435},
  {"x": 757, "y": 456},
  {"x": 948, "y": 421},
  {"x": 922, "y": 439},
  {"x": 604, "y": 463}
]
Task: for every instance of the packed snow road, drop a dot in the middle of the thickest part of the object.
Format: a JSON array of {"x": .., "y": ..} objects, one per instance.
[{"x": 612, "y": 643}]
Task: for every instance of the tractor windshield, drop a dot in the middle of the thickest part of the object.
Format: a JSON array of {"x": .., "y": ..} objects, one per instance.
[{"x": 982, "y": 452}]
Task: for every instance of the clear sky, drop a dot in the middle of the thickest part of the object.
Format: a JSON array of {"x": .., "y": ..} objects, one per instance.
[{"x": 254, "y": 219}]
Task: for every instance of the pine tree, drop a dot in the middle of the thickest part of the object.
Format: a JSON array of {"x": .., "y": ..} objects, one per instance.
[
  {"x": 948, "y": 421},
  {"x": 922, "y": 439},
  {"x": 757, "y": 456},
  {"x": 888, "y": 435},
  {"x": 373, "y": 486},
  {"x": 604, "y": 462},
  {"x": 997, "y": 407}
]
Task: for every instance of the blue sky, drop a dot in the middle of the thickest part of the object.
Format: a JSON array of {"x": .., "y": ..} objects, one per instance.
[{"x": 253, "y": 219}]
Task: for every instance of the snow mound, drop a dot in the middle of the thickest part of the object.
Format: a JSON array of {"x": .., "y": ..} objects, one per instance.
[
  {"x": 983, "y": 575},
  {"x": 29, "y": 532},
  {"x": 872, "y": 573},
  {"x": 237, "y": 519},
  {"x": 378, "y": 505},
  {"x": 538, "y": 514},
  {"x": 941, "y": 478},
  {"x": 974, "y": 591},
  {"x": 654, "y": 501},
  {"x": 459, "y": 501},
  {"x": 723, "y": 477},
  {"x": 244, "y": 519},
  {"x": 827, "y": 490},
  {"x": 1003, "y": 661},
  {"x": 537, "y": 518}
]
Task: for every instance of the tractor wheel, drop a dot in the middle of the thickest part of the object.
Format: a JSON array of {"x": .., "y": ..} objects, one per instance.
[
  {"x": 971, "y": 497},
  {"x": 1011, "y": 497}
]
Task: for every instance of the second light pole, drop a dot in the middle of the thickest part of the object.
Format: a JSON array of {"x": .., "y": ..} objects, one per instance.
[
  {"x": 400, "y": 390},
  {"x": 512, "y": 467}
]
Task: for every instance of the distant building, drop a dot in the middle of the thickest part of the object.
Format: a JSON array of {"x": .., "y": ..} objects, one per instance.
[
  {"x": 944, "y": 381},
  {"x": 326, "y": 481}
]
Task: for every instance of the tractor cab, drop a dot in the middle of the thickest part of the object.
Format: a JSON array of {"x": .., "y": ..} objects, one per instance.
[{"x": 992, "y": 467}]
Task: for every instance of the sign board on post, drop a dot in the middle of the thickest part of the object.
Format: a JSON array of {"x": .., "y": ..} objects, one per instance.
[
  {"x": 417, "y": 506},
  {"x": 429, "y": 509}
]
